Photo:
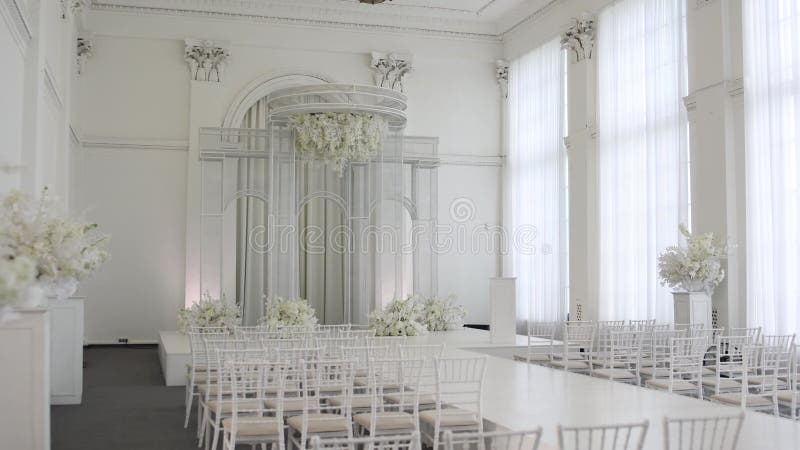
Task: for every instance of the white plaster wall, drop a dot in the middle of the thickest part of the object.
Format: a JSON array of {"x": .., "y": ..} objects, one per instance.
[
  {"x": 11, "y": 100},
  {"x": 136, "y": 90}
]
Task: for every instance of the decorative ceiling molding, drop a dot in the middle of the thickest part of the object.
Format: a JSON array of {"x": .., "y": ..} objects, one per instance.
[
  {"x": 391, "y": 69},
  {"x": 502, "y": 77},
  {"x": 579, "y": 37},
  {"x": 529, "y": 18},
  {"x": 206, "y": 59}
]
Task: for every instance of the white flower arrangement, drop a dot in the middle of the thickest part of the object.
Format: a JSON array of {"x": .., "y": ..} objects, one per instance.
[
  {"x": 63, "y": 249},
  {"x": 295, "y": 312},
  {"x": 338, "y": 138},
  {"x": 399, "y": 318},
  {"x": 694, "y": 268},
  {"x": 442, "y": 314},
  {"x": 17, "y": 274},
  {"x": 209, "y": 312}
]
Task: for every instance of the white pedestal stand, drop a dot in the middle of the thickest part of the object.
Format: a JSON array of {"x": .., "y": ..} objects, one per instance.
[
  {"x": 66, "y": 350},
  {"x": 25, "y": 381},
  {"x": 503, "y": 310},
  {"x": 693, "y": 308}
]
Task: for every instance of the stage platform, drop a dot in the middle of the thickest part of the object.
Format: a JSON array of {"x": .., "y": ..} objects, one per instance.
[{"x": 519, "y": 395}]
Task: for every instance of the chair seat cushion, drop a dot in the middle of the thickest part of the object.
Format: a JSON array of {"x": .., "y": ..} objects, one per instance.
[
  {"x": 677, "y": 385},
  {"x": 735, "y": 398},
  {"x": 226, "y": 406},
  {"x": 215, "y": 389},
  {"x": 424, "y": 399},
  {"x": 724, "y": 383},
  {"x": 572, "y": 356},
  {"x": 655, "y": 372},
  {"x": 759, "y": 380},
  {"x": 533, "y": 357},
  {"x": 359, "y": 401},
  {"x": 321, "y": 423},
  {"x": 787, "y": 396},
  {"x": 570, "y": 364},
  {"x": 253, "y": 427},
  {"x": 386, "y": 421},
  {"x": 289, "y": 404},
  {"x": 451, "y": 417},
  {"x": 616, "y": 374},
  {"x": 607, "y": 363}
]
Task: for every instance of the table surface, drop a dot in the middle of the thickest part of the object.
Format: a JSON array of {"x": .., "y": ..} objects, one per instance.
[{"x": 521, "y": 396}]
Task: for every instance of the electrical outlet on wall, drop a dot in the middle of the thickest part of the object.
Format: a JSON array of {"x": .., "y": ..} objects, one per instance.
[{"x": 122, "y": 340}]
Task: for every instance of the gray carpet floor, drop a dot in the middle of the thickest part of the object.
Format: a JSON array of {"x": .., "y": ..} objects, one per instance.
[{"x": 125, "y": 405}]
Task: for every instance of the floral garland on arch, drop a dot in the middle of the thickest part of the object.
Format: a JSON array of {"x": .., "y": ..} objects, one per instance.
[
  {"x": 338, "y": 138},
  {"x": 61, "y": 250},
  {"x": 694, "y": 268},
  {"x": 282, "y": 312},
  {"x": 210, "y": 312}
]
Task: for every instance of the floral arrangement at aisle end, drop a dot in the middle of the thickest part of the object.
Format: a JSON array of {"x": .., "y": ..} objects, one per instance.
[
  {"x": 442, "y": 314},
  {"x": 694, "y": 268},
  {"x": 209, "y": 312},
  {"x": 63, "y": 251},
  {"x": 399, "y": 318},
  {"x": 338, "y": 138},
  {"x": 296, "y": 312}
]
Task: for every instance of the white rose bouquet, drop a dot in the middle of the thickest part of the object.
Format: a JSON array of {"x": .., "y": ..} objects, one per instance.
[
  {"x": 279, "y": 312},
  {"x": 209, "y": 312},
  {"x": 399, "y": 318},
  {"x": 696, "y": 267},
  {"x": 338, "y": 138},
  {"x": 442, "y": 314}
]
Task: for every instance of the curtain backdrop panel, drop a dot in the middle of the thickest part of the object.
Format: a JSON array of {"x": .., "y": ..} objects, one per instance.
[
  {"x": 771, "y": 37},
  {"x": 536, "y": 183},
  {"x": 642, "y": 153}
]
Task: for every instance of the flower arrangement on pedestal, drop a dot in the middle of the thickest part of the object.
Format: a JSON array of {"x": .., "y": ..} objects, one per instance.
[
  {"x": 442, "y": 314},
  {"x": 210, "y": 312},
  {"x": 63, "y": 251},
  {"x": 338, "y": 138},
  {"x": 282, "y": 312},
  {"x": 697, "y": 267}
]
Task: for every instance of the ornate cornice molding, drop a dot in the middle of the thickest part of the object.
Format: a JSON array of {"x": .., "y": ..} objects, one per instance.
[
  {"x": 206, "y": 59},
  {"x": 391, "y": 69},
  {"x": 501, "y": 74},
  {"x": 579, "y": 37},
  {"x": 83, "y": 51},
  {"x": 18, "y": 24}
]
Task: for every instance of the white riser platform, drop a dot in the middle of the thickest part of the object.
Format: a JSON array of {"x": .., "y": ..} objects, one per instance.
[{"x": 173, "y": 351}]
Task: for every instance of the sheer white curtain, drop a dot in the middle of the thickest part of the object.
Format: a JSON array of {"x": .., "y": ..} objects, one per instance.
[
  {"x": 772, "y": 123},
  {"x": 535, "y": 184},
  {"x": 642, "y": 153}
]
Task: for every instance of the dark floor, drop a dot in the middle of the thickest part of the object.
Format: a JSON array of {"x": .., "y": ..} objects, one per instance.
[{"x": 125, "y": 405}]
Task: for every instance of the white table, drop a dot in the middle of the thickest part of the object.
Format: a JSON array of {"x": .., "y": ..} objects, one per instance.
[{"x": 519, "y": 395}]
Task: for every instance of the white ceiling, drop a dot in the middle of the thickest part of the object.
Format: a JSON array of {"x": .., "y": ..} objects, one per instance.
[{"x": 476, "y": 18}]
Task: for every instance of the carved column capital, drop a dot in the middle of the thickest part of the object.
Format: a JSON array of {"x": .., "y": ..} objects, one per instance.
[
  {"x": 391, "y": 69},
  {"x": 501, "y": 74},
  {"x": 75, "y": 7},
  {"x": 579, "y": 37},
  {"x": 84, "y": 51},
  {"x": 206, "y": 59}
]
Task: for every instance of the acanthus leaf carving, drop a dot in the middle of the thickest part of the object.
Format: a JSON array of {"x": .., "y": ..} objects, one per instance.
[
  {"x": 579, "y": 37},
  {"x": 391, "y": 69},
  {"x": 501, "y": 74},
  {"x": 84, "y": 51},
  {"x": 206, "y": 59}
]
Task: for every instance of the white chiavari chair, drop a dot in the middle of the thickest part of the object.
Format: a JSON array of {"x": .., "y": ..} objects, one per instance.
[
  {"x": 196, "y": 371},
  {"x": 791, "y": 396},
  {"x": 391, "y": 343},
  {"x": 622, "y": 361},
  {"x": 702, "y": 433},
  {"x": 602, "y": 344},
  {"x": 648, "y": 337},
  {"x": 541, "y": 335},
  {"x": 397, "y": 377},
  {"x": 322, "y": 380},
  {"x": 710, "y": 359},
  {"x": 658, "y": 350},
  {"x": 754, "y": 333},
  {"x": 576, "y": 348},
  {"x": 359, "y": 335},
  {"x": 494, "y": 440},
  {"x": 728, "y": 361},
  {"x": 244, "y": 332},
  {"x": 251, "y": 421},
  {"x": 642, "y": 325},
  {"x": 332, "y": 346},
  {"x": 427, "y": 379},
  {"x": 685, "y": 367},
  {"x": 459, "y": 381},
  {"x": 394, "y": 442},
  {"x": 272, "y": 346},
  {"x": 214, "y": 387},
  {"x": 333, "y": 330},
  {"x": 603, "y": 437},
  {"x": 362, "y": 355},
  {"x": 760, "y": 361},
  {"x": 781, "y": 346}
]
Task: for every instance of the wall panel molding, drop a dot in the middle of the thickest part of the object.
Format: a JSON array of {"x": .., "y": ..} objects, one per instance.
[{"x": 18, "y": 24}]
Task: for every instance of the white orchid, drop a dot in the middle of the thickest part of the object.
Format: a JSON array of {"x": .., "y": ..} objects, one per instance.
[
  {"x": 338, "y": 138},
  {"x": 443, "y": 314},
  {"x": 279, "y": 311},
  {"x": 697, "y": 266},
  {"x": 399, "y": 318},
  {"x": 209, "y": 312}
]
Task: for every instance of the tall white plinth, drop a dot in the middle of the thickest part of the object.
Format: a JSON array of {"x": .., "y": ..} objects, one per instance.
[
  {"x": 66, "y": 351},
  {"x": 503, "y": 310},
  {"x": 693, "y": 308},
  {"x": 25, "y": 381}
]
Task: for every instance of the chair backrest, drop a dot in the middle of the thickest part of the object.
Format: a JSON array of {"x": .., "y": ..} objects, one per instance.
[
  {"x": 578, "y": 338},
  {"x": 658, "y": 346},
  {"x": 603, "y": 335},
  {"x": 295, "y": 356},
  {"x": 360, "y": 336},
  {"x": 544, "y": 331},
  {"x": 362, "y": 355},
  {"x": 251, "y": 381},
  {"x": 393, "y": 442},
  {"x": 642, "y": 325},
  {"x": 272, "y": 346},
  {"x": 332, "y": 346},
  {"x": 688, "y": 327},
  {"x": 320, "y": 380},
  {"x": 702, "y": 433},
  {"x": 625, "y": 350},
  {"x": 398, "y": 379},
  {"x": 603, "y": 437},
  {"x": 494, "y": 440},
  {"x": 197, "y": 345},
  {"x": 686, "y": 358},
  {"x": 333, "y": 330},
  {"x": 459, "y": 381},
  {"x": 753, "y": 333},
  {"x": 392, "y": 344}
]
